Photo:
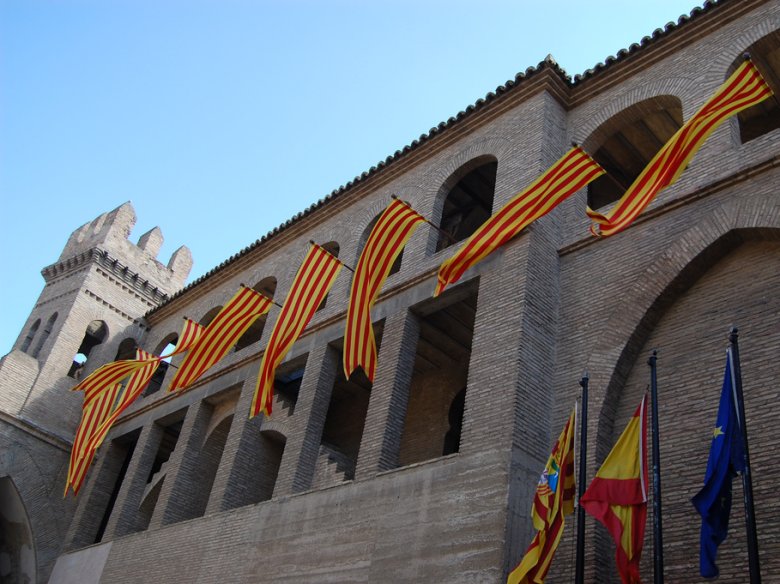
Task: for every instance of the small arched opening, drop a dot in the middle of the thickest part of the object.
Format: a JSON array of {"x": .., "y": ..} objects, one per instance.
[{"x": 96, "y": 333}]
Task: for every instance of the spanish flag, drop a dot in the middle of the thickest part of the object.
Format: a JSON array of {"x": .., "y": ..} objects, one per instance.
[
  {"x": 387, "y": 240},
  {"x": 554, "y": 500},
  {"x": 572, "y": 172},
  {"x": 220, "y": 335},
  {"x": 312, "y": 283},
  {"x": 617, "y": 497},
  {"x": 745, "y": 88}
]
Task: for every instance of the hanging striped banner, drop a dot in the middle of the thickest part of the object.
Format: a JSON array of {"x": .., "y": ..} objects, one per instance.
[
  {"x": 312, "y": 283},
  {"x": 569, "y": 174},
  {"x": 393, "y": 229},
  {"x": 101, "y": 408},
  {"x": 96, "y": 408},
  {"x": 745, "y": 88},
  {"x": 220, "y": 335}
]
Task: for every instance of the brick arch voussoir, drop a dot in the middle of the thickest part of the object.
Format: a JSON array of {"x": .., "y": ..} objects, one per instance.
[
  {"x": 646, "y": 300},
  {"x": 438, "y": 180},
  {"x": 676, "y": 87},
  {"x": 722, "y": 62},
  {"x": 276, "y": 426}
]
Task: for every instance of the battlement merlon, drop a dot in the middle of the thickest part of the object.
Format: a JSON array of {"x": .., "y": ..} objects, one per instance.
[{"x": 109, "y": 232}]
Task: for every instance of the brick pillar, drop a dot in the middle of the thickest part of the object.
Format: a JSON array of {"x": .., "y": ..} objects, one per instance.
[
  {"x": 125, "y": 517},
  {"x": 384, "y": 426},
  {"x": 95, "y": 496},
  {"x": 180, "y": 489},
  {"x": 239, "y": 472},
  {"x": 303, "y": 443}
]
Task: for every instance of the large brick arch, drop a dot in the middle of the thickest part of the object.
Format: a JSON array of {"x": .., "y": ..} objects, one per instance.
[{"x": 645, "y": 302}]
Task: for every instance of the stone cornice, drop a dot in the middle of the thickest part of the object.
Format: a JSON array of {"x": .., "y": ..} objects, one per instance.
[{"x": 110, "y": 265}]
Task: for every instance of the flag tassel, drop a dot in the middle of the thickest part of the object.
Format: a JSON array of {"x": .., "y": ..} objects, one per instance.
[
  {"x": 658, "y": 542},
  {"x": 747, "y": 481}
]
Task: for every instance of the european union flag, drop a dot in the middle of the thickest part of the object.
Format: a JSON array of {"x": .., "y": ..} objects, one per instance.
[{"x": 726, "y": 459}]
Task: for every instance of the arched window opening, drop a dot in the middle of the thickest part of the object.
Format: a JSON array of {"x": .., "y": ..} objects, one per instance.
[
  {"x": 396, "y": 267},
  {"x": 627, "y": 142},
  {"x": 165, "y": 347},
  {"x": 468, "y": 204},
  {"x": 267, "y": 287},
  {"x": 333, "y": 249},
  {"x": 17, "y": 545},
  {"x": 96, "y": 333},
  {"x": 30, "y": 336},
  {"x": 763, "y": 117},
  {"x": 44, "y": 335},
  {"x": 434, "y": 414},
  {"x": 126, "y": 349},
  {"x": 209, "y": 316}
]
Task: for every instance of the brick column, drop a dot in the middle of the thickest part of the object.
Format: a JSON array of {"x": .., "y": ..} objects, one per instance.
[
  {"x": 384, "y": 426},
  {"x": 180, "y": 490},
  {"x": 239, "y": 471},
  {"x": 125, "y": 517},
  {"x": 303, "y": 443},
  {"x": 95, "y": 496}
]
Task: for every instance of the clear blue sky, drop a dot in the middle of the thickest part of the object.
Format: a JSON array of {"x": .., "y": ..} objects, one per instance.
[{"x": 221, "y": 119}]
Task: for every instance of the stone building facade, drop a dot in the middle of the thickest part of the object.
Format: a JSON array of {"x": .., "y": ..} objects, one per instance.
[{"x": 427, "y": 474}]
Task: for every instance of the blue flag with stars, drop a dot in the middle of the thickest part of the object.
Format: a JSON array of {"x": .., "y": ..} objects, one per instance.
[{"x": 726, "y": 459}]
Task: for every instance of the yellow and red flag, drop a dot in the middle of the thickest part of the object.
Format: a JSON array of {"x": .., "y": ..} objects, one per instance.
[
  {"x": 554, "y": 499},
  {"x": 310, "y": 286},
  {"x": 101, "y": 407},
  {"x": 569, "y": 174},
  {"x": 617, "y": 497},
  {"x": 393, "y": 229},
  {"x": 220, "y": 335},
  {"x": 98, "y": 403},
  {"x": 742, "y": 90}
]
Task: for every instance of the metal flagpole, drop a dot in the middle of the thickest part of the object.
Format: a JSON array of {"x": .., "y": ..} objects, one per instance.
[
  {"x": 658, "y": 543},
  {"x": 579, "y": 574},
  {"x": 747, "y": 481}
]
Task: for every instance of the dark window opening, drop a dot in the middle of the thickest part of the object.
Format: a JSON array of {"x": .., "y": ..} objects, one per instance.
[
  {"x": 166, "y": 347},
  {"x": 158, "y": 472},
  {"x": 468, "y": 204},
  {"x": 30, "y": 335},
  {"x": 209, "y": 316},
  {"x": 434, "y": 414},
  {"x": 345, "y": 420},
  {"x": 126, "y": 350},
  {"x": 629, "y": 140},
  {"x": 96, "y": 333},
  {"x": 763, "y": 117},
  {"x": 44, "y": 335}
]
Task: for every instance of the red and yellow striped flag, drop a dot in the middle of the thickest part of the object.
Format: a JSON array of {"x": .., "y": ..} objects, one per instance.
[
  {"x": 742, "y": 90},
  {"x": 312, "y": 282},
  {"x": 101, "y": 408},
  {"x": 569, "y": 174},
  {"x": 617, "y": 496},
  {"x": 220, "y": 335},
  {"x": 387, "y": 239},
  {"x": 96, "y": 408},
  {"x": 554, "y": 500}
]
